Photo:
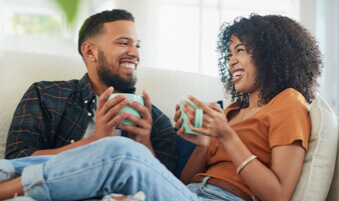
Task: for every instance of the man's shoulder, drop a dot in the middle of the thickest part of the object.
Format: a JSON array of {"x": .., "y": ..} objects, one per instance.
[
  {"x": 56, "y": 87},
  {"x": 52, "y": 85}
]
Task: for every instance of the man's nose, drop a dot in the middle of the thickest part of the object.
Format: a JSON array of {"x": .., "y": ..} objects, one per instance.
[{"x": 133, "y": 51}]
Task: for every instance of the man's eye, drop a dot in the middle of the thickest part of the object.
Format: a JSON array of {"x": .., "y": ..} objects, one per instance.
[
  {"x": 123, "y": 43},
  {"x": 138, "y": 46},
  {"x": 240, "y": 49}
]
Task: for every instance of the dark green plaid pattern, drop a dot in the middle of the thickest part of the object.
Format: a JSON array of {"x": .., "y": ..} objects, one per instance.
[{"x": 52, "y": 114}]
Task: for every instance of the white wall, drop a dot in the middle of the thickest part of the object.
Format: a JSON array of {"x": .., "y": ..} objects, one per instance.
[
  {"x": 327, "y": 33},
  {"x": 319, "y": 16}
]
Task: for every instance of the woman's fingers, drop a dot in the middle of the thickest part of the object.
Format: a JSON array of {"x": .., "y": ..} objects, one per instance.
[{"x": 201, "y": 105}]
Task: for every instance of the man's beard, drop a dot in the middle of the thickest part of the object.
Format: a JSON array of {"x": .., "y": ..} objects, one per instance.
[{"x": 114, "y": 79}]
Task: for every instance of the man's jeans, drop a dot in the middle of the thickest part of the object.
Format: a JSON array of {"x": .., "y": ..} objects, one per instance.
[{"x": 110, "y": 165}]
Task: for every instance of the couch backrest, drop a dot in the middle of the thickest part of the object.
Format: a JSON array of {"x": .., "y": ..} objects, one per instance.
[
  {"x": 320, "y": 159},
  {"x": 19, "y": 70},
  {"x": 333, "y": 194}
]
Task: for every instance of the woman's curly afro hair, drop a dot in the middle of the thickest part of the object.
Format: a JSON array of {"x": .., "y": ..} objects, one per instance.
[{"x": 284, "y": 53}]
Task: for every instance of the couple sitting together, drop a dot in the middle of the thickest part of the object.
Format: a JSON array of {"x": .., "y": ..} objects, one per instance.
[{"x": 66, "y": 142}]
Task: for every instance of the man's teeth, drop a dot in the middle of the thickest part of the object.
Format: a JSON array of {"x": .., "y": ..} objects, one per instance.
[
  {"x": 238, "y": 73},
  {"x": 128, "y": 65}
]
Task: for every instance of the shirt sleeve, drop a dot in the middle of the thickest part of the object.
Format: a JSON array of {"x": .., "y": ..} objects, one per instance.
[
  {"x": 29, "y": 123},
  {"x": 163, "y": 139},
  {"x": 289, "y": 120}
]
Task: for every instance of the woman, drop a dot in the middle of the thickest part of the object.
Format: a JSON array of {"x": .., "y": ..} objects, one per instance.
[
  {"x": 254, "y": 149},
  {"x": 257, "y": 145}
]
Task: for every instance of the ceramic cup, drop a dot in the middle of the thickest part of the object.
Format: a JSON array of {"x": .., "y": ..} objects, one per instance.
[
  {"x": 128, "y": 108},
  {"x": 198, "y": 117}
]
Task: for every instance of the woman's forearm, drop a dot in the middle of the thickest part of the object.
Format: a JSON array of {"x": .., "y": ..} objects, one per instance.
[
  {"x": 274, "y": 183},
  {"x": 195, "y": 164}
]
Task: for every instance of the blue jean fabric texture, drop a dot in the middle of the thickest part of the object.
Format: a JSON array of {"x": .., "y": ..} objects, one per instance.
[{"x": 110, "y": 165}]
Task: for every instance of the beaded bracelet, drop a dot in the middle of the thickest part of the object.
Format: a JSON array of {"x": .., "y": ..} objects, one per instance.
[{"x": 243, "y": 164}]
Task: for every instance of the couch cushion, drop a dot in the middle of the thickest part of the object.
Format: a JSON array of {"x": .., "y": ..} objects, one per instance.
[
  {"x": 317, "y": 172},
  {"x": 333, "y": 195}
]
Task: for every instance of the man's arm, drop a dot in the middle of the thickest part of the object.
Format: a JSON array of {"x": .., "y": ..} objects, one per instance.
[
  {"x": 106, "y": 122},
  {"x": 30, "y": 125},
  {"x": 142, "y": 132},
  {"x": 65, "y": 148},
  {"x": 154, "y": 130},
  {"x": 33, "y": 123},
  {"x": 163, "y": 139}
]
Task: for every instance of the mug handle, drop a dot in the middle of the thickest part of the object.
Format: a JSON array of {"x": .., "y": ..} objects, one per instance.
[{"x": 198, "y": 118}]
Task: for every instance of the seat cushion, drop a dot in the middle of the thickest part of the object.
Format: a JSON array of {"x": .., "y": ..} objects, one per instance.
[{"x": 317, "y": 172}]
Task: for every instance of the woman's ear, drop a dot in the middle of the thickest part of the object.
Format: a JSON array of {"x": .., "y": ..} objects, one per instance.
[{"x": 88, "y": 52}]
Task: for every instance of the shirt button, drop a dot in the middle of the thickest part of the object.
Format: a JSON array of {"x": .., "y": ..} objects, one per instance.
[
  {"x": 72, "y": 141},
  {"x": 89, "y": 114},
  {"x": 86, "y": 101},
  {"x": 93, "y": 101}
]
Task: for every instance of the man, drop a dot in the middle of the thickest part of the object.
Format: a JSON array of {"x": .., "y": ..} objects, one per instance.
[{"x": 53, "y": 117}]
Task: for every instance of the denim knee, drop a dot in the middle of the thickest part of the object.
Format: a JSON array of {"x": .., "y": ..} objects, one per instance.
[{"x": 120, "y": 145}]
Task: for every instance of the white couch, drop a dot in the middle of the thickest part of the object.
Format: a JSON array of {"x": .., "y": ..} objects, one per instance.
[{"x": 320, "y": 174}]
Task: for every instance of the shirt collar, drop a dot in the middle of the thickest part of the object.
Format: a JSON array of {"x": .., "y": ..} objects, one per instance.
[{"x": 86, "y": 89}]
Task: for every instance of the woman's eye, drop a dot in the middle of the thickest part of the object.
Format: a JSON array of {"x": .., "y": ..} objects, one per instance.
[
  {"x": 123, "y": 43},
  {"x": 240, "y": 49}
]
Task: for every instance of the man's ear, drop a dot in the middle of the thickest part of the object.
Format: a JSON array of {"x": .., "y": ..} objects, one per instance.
[{"x": 89, "y": 52}]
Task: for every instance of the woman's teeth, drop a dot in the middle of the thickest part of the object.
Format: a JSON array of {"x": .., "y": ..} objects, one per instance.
[{"x": 238, "y": 73}]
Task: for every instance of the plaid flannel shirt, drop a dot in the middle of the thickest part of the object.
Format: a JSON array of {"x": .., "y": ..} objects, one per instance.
[{"x": 54, "y": 114}]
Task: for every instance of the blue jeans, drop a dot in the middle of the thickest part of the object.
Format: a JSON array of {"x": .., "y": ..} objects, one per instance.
[{"x": 109, "y": 165}]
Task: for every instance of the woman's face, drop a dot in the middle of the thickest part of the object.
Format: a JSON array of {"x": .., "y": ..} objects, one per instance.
[{"x": 241, "y": 66}]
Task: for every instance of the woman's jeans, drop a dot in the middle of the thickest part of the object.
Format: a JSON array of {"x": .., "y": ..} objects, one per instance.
[{"x": 109, "y": 165}]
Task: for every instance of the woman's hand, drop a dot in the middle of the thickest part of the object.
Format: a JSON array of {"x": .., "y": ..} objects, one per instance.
[
  {"x": 214, "y": 124},
  {"x": 199, "y": 140}
]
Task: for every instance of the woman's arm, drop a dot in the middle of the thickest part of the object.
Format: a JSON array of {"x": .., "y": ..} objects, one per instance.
[
  {"x": 268, "y": 183},
  {"x": 195, "y": 164},
  {"x": 275, "y": 183},
  {"x": 197, "y": 161}
]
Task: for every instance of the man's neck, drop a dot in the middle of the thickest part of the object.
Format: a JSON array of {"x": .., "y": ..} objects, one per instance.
[{"x": 97, "y": 85}]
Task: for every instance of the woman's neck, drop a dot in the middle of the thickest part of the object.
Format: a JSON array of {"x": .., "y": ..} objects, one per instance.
[{"x": 253, "y": 100}]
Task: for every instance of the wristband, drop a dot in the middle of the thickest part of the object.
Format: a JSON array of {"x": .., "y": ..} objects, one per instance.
[{"x": 243, "y": 164}]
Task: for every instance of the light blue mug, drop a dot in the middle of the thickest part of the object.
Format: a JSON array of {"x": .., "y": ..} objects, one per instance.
[
  {"x": 128, "y": 108},
  {"x": 198, "y": 117}
]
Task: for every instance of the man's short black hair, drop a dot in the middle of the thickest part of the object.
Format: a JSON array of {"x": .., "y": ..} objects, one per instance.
[{"x": 94, "y": 24}]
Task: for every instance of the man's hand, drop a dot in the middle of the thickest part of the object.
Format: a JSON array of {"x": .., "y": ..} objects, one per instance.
[
  {"x": 142, "y": 132},
  {"x": 106, "y": 121}
]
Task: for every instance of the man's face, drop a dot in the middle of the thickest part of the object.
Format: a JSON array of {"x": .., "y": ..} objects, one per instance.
[{"x": 118, "y": 55}]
